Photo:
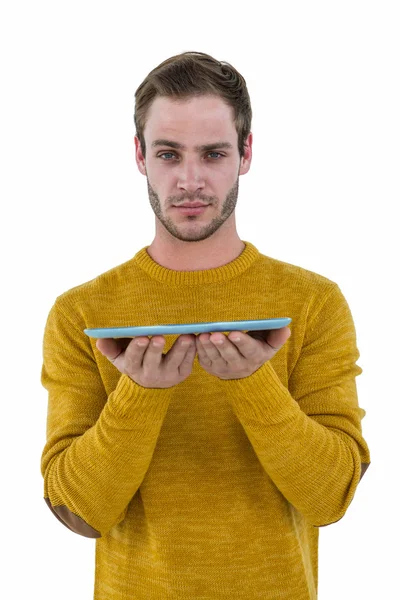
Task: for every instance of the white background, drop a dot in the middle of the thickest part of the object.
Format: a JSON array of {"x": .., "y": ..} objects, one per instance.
[{"x": 322, "y": 193}]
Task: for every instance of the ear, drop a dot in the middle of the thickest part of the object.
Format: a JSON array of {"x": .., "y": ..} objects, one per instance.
[{"x": 140, "y": 160}]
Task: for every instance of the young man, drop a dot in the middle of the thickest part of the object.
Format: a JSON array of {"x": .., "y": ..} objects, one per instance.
[{"x": 204, "y": 470}]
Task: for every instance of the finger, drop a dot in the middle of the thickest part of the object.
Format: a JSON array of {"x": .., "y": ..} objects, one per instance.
[
  {"x": 134, "y": 354},
  {"x": 202, "y": 354},
  {"x": 216, "y": 348},
  {"x": 276, "y": 338},
  {"x": 154, "y": 353},
  {"x": 186, "y": 365},
  {"x": 230, "y": 353},
  {"x": 181, "y": 352},
  {"x": 247, "y": 346},
  {"x": 109, "y": 347}
]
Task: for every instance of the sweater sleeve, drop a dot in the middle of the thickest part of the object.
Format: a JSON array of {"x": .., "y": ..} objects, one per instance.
[
  {"x": 308, "y": 436},
  {"x": 98, "y": 449}
]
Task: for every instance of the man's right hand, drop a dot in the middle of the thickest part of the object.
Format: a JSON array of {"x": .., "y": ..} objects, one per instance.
[{"x": 146, "y": 364}]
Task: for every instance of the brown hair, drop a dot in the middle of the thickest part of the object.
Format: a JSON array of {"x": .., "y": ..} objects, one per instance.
[{"x": 195, "y": 74}]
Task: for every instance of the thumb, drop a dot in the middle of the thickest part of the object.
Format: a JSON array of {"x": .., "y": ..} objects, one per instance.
[
  {"x": 278, "y": 337},
  {"x": 108, "y": 347}
]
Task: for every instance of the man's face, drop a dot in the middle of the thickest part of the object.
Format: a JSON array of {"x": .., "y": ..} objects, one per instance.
[{"x": 177, "y": 176}]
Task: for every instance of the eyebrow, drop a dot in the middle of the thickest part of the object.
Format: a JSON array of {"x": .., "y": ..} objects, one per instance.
[{"x": 202, "y": 148}]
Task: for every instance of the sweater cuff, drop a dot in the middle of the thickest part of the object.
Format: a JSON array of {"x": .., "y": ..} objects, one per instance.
[
  {"x": 261, "y": 397},
  {"x": 130, "y": 399}
]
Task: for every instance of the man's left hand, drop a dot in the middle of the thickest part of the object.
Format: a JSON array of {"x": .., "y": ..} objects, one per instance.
[{"x": 237, "y": 359}]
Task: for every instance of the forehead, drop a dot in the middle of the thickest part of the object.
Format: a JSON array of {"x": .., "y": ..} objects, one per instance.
[{"x": 205, "y": 117}]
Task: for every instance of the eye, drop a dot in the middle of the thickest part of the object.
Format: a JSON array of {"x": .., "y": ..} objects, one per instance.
[{"x": 172, "y": 154}]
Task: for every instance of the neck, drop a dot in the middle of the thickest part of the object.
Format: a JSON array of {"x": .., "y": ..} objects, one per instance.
[{"x": 195, "y": 256}]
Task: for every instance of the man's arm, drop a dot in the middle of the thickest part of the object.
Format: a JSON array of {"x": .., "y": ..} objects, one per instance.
[
  {"x": 308, "y": 437},
  {"x": 98, "y": 449}
]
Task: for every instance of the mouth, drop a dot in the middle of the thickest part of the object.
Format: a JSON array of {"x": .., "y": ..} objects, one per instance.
[
  {"x": 190, "y": 205},
  {"x": 192, "y": 210}
]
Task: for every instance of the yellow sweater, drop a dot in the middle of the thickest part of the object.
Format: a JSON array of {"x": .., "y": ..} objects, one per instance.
[{"x": 213, "y": 488}]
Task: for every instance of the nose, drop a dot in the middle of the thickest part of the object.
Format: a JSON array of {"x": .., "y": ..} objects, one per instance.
[{"x": 190, "y": 176}]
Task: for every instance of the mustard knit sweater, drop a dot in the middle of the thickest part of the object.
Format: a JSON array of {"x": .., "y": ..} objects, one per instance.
[{"x": 212, "y": 489}]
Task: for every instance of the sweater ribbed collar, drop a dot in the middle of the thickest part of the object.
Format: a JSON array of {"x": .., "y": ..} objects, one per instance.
[{"x": 220, "y": 274}]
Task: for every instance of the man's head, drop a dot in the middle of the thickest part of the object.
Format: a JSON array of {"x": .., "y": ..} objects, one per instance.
[{"x": 193, "y": 102}]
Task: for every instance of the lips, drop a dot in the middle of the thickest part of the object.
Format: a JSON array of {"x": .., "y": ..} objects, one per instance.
[
  {"x": 191, "y": 205},
  {"x": 192, "y": 210}
]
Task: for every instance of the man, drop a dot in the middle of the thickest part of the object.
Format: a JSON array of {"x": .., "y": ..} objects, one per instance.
[{"x": 203, "y": 470}]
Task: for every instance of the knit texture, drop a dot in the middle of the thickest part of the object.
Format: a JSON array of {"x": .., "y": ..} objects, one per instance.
[{"x": 212, "y": 489}]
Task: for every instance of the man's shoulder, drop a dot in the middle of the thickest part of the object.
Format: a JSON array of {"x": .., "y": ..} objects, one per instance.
[
  {"x": 107, "y": 283},
  {"x": 304, "y": 292},
  {"x": 286, "y": 273}
]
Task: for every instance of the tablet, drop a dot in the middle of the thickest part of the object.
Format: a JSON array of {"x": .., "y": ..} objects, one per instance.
[{"x": 126, "y": 332}]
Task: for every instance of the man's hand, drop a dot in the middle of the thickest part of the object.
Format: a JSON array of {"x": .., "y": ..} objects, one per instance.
[
  {"x": 143, "y": 360},
  {"x": 237, "y": 359}
]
